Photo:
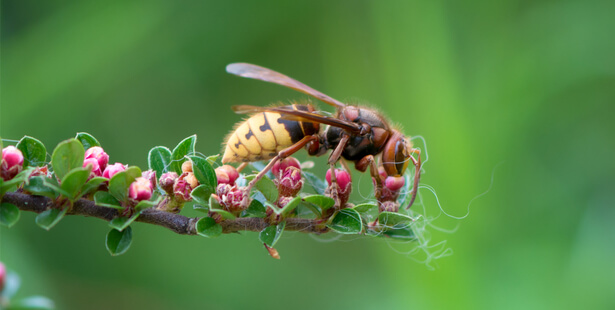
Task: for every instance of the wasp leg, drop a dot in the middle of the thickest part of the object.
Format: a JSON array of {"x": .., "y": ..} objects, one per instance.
[
  {"x": 370, "y": 161},
  {"x": 417, "y": 174},
  {"x": 333, "y": 159},
  {"x": 281, "y": 155},
  {"x": 242, "y": 166}
]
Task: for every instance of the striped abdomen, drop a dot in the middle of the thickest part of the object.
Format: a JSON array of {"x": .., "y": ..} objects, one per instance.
[{"x": 264, "y": 134}]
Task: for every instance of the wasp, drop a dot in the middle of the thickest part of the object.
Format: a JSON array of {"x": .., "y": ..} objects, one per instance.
[{"x": 357, "y": 134}]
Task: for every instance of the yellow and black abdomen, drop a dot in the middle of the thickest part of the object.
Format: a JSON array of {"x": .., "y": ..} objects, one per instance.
[{"x": 264, "y": 134}]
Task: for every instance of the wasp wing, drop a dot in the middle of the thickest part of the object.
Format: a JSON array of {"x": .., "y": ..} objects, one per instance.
[
  {"x": 261, "y": 73},
  {"x": 302, "y": 116}
]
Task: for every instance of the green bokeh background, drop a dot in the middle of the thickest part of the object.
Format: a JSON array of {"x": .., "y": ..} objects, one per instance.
[{"x": 521, "y": 91}]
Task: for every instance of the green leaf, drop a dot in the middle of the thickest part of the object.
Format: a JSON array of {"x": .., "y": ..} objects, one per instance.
[
  {"x": 146, "y": 204},
  {"x": 118, "y": 242},
  {"x": 9, "y": 214},
  {"x": 185, "y": 147},
  {"x": 315, "y": 182},
  {"x": 289, "y": 207},
  {"x": 37, "y": 186},
  {"x": 34, "y": 152},
  {"x": 159, "y": 159},
  {"x": 215, "y": 207},
  {"x": 323, "y": 202},
  {"x": 400, "y": 233},
  {"x": 105, "y": 199},
  {"x": 49, "y": 218},
  {"x": 256, "y": 209},
  {"x": 201, "y": 194},
  {"x": 74, "y": 180},
  {"x": 268, "y": 188},
  {"x": 212, "y": 159},
  {"x": 53, "y": 185},
  {"x": 11, "y": 185},
  {"x": 347, "y": 221},
  {"x": 394, "y": 220},
  {"x": 32, "y": 303},
  {"x": 271, "y": 234},
  {"x": 87, "y": 140},
  {"x": 121, "y": 222},
  {"x": 67, "y": 156},
  {"x": 204, "y": 172},
  {"x": 368, "y": 211},
  {"x": 119, "y": 183},
  {"x": 92, "y": 185},
  {"x": 207, "y": 227}
]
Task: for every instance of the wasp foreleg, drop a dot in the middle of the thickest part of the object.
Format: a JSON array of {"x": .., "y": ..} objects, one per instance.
[
  {"x": 417, "y": 174},
  {"x": 333, "y": 159}
]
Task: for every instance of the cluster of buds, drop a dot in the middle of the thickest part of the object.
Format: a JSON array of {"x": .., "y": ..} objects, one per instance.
[
  {"x": 230, "y": 196},
  {"x": 344, "y": 183},
  {"x": 392, "y": 185},
  {"x": 287, "y": 178},
  {"x": 185, "y": 183},
  {"x": 98, "y": 159},
  {"x": 143, "y": 187},
  {"x": 12, "y": 162}
]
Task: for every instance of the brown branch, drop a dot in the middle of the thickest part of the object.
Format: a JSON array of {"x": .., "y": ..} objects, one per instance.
[{"x": 177, "y": 223}]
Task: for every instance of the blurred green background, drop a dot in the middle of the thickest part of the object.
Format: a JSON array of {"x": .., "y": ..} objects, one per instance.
[{"x": 528, "y": 84}]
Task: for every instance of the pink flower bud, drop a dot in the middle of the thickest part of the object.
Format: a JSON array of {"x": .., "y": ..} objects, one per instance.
[
  {"x": 279, "y": 167},
  {"x": 95, "y": 167},
  {"x": 344, "y": 183},
  {"x": 290, "y": 183},
  {"x": 2, "y": 276},
  {"x": 341, "y": 176},
  {"x": 151, "y": 176},
  {"x": 167, "y": 180},
  {"x": 187, "y": 166},
  {"x": 12, "y": 162},
  {"x": 182, "y": 188},
  {"x": 111, "y": 170},
  {"x": 231, "y": 198},
  {"x": 97, "y": 152},
  {"x": 226, "y": 174},
  {"x": 394, "y": 183},
  {"x": 140, "y": 189}
]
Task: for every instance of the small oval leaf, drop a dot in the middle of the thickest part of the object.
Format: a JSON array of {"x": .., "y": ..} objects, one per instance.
[
  {"x": 105, "y": 199},
  {"x": 159, "y": 159},
  {"x": 33, "y": 150},
  {"x": 204, "y": 172},
  {"x": 67, "y": 156},
  {"x": 271, "y": 234},
  {"x": 315, "y": 182},
  {"x": 49, "y": 218},
  {"x": 347, "y": 221},
  {"x": 74, "y": 180},
  {"x": 207, "y": 227},
  {"x": 185, "y": 147},
  {"x": 87, "y": 140},
  {"x": 268, "y": 188},
  {"x": 323, "y": 202},
  {"x": 9, "y": 214},
  {"x": 394, "y": 220},
  {"x": 118, "y": 242}
]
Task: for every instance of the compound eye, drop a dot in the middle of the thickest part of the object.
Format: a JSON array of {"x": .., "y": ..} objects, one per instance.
[{"x": 402, "y": 156}]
